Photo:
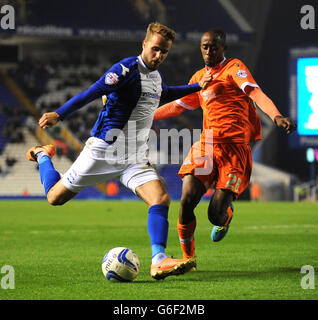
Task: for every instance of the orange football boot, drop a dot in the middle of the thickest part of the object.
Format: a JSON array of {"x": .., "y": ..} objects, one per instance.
[
  {"x": 171, "y": 267},
  {"x": 48, "y": 149}
]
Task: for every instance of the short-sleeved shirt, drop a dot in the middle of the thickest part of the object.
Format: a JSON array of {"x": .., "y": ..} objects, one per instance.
[{"x": 227, "y": 109}]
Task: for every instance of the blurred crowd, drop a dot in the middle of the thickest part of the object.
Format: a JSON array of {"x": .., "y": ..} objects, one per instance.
[
  {"x": 11, "y": 124},
  {"x": 12, "y": 119}
]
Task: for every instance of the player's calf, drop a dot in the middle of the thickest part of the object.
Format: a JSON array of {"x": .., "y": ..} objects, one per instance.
[
  {"x": 192, "y": 192},
  {"x": 218, "y": 213},
  {"x": 55, "y": 191},
  {"x": 220, "y": 231}
]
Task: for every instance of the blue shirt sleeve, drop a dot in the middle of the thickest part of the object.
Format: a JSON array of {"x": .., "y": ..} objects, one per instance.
[
  {"x": 170, "y": 93},
  {"x": 111, "y": 81},
  {"x": 79, "y": 101}
]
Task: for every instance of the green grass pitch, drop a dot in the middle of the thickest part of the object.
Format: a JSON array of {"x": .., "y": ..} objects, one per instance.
[{"x": 56, "y": 252}]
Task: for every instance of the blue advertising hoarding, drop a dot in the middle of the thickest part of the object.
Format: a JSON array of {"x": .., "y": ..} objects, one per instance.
[
  {"x": 303, "y": 96},
  {"x": 307, "y": 96}
]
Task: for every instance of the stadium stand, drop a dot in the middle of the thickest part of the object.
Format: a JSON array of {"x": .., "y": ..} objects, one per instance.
[
  {"x": 21, "y": 179},
  {"x": 11, "y": 118}
]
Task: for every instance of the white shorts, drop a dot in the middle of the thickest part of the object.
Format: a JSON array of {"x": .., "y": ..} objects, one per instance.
[{"x": 89, "y": 170}]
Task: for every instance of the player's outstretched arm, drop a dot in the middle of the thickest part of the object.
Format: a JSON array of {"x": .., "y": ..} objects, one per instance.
[
  {"x": 79, "y": 101},
  {"x": 171, "y": 93},
  {"x": 168, "y": 110},
  {"x": 268, "y": 107},
  {"x": 173, "y": 109},
  {"x": 49, "y": 120}
]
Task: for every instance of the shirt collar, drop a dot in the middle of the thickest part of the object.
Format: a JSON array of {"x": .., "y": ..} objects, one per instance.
[
  {"x": 217, "y": 67},
  {"x": 143, "y": 64}
]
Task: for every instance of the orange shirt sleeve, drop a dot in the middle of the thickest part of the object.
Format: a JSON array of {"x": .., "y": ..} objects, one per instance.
[
  {"x": 191, "y": 101},
  {"x": 168, "y": 110},
  {"x": 241, "y": 75},
  {"x": 264, "y": 103}
]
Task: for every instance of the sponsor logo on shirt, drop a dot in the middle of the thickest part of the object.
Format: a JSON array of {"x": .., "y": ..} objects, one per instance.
[
  {"x": 151, "y": 76},
  {"x": 111, "y": 78},
  {"x": 208, "y": 94},
  {"x": 241, "y": 73},
  {"x": 151, "y": 95}
]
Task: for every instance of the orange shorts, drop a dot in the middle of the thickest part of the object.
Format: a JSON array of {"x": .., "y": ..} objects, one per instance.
[{"x": 228, "y": 166}]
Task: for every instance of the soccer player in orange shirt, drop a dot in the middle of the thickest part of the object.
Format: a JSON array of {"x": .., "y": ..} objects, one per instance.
[{"x": 222, "y": 158}]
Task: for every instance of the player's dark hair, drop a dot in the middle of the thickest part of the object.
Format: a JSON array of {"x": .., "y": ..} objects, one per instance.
[
  {"x": 156, "y": 27},
  {"x": 220, "y": 34}
]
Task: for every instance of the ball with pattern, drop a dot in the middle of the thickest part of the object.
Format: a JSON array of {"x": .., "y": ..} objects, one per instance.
[{"x": 120, "y": 264}]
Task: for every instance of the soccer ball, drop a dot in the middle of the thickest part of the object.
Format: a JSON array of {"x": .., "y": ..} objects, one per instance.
[{"x": 120, "y": 264}]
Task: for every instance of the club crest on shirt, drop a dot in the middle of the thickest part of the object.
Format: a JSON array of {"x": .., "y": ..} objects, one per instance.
[
  {"x": 241, "y": 73},
  {"x": 111, "y": 78},
  {"x": 208, "y": 94},
  {"x": 215, "y": 75}
]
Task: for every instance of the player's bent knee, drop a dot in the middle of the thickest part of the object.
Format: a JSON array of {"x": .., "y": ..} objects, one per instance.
[
  {"x": 59, "y": 194},
  {"x": 55, "y": 200},
  {"x": 165, "y": 199},
  {"x": 189, "y": 200}
]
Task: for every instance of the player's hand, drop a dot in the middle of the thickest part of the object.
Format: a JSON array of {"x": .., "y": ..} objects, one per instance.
[
  {"x": 204, "y": 82},
  {"x": 286, "y": 123},
  {"x": 49, "y": 120}
]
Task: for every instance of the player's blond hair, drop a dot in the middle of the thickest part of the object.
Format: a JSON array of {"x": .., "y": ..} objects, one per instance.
[{"x": 156, "y": 27}]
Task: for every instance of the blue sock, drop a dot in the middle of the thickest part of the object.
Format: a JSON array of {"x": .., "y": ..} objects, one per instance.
[
  {"x": 158, "y": 226},
  {"x": 157, "y": 248},
  {"x": 49, "y": 176}
]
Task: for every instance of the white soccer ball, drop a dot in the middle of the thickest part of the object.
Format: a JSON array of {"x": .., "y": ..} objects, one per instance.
[{"x": 120, "y": 264}]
